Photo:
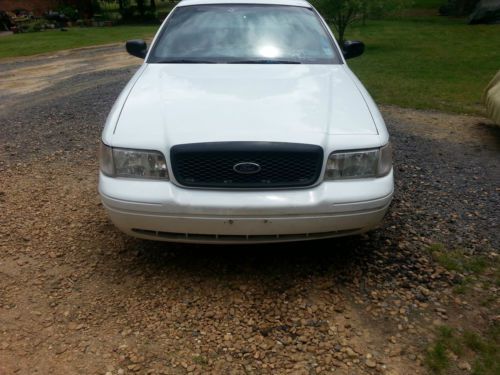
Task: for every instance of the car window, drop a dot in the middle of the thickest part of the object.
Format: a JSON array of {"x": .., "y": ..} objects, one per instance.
[{"x": 243, "y": 33}]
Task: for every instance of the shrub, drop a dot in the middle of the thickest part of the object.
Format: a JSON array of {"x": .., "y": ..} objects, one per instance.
[
  {"x": 458, "y": 7},
  {"x": 33, "y": 26},
  {"x": 69, "y": 12}
]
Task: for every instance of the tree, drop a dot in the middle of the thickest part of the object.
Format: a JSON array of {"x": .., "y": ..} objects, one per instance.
[
  {"x": 86, "y": 8},
  {"x": 122, "y": 5},
  {"x": 141, "y": 7},
  {"x": 125, "y": 6},
  {"x": 342, "y": 13}
]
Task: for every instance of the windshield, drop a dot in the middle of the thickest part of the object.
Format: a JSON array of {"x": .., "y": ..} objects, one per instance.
[{"x": 229, "y": 33}]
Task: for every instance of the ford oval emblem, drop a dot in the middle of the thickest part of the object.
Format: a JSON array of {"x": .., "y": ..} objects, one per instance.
[{"x": 246, "y": 168}]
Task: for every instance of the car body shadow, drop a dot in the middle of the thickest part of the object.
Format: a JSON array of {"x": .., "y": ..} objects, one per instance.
[{"x": 343, "y": 258}]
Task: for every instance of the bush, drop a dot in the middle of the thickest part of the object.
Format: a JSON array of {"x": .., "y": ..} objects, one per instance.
[
  {"x": 33, "y": 26},
  {"x": 69, "y": 12},
  {"x": 458, "y": 7},
  {"x": 133, "y": 15}
]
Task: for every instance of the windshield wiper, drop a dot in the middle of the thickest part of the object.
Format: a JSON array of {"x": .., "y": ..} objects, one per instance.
[
  {"x": 264, "y": 62},
  {"x": 185, "y": 61},
  {"x": 197, "y": 61}
]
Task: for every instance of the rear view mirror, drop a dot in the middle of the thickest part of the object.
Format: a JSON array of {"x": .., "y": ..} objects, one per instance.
[
  {"x": 137, "y": 48},
  {"x": 353, "y": 48}
]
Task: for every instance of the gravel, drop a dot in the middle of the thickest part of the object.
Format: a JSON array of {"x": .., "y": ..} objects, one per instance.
[{"x": 77, "y": 296}]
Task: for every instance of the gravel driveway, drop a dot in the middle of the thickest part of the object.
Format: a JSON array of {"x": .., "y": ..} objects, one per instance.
[{"x": 78, "y": 297}]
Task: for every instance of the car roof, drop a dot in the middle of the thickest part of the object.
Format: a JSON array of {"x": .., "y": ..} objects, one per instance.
[{"x": 300, "y": 3}]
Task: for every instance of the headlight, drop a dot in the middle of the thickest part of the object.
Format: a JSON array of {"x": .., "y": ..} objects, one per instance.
[
  {"x": 106, "y": 160},
  {"x": 385, "y": 160},
  {"x": 122, "y": 162},
  {"x": 359, "y": 164}
]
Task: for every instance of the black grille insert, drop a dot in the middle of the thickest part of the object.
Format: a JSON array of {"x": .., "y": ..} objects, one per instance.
[{"x": 265, "y": 164}]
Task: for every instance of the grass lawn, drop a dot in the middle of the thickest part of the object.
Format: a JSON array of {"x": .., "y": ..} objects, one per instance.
[
  {"x": 427, "y": 62},
  {"x": 428, "y": 4},
  {"x": 55, "y": 40}
]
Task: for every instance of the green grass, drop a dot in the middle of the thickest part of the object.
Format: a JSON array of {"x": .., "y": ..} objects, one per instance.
[
  {"x": 427, "y": 62},
  {"x": 55, "y": 40},
  {"x": 478, "y": 346},
  {"x": 200, "y": 360},
  {"x": 487, "y": 350},
  {"x": 482, "y": 350},
  {"x": 437, "y": 359},
  {"x": 474, "y": 268},
  {"x": 460, "y": 261},
  {"x": 428, "y": 4}
]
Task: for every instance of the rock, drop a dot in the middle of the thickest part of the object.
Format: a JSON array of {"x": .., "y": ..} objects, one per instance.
[
  {"x": 463, "y": 365},
  {"x": 350, "y": 353},
  {"x": 134, "y": 367},
  {"x": 370, "y": 363},
  {"x": 59, "y": 349},
  {"x": 426, "y": 292}
]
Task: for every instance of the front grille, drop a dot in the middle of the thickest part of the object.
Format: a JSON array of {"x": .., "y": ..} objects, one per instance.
[
  {"x": 251, "y": 238},
  {"x": 279, "y": 165}
]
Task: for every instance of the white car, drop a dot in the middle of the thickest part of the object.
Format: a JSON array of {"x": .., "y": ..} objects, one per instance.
[{"x": 245, "y": 125}]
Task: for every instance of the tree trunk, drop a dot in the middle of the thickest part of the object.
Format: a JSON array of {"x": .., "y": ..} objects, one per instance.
[
  {"x": 365, "y": 13},
  {"x": 152, "y": 5},
  {"x": 341, "y": 31},
  {"x": 461, "y": 6},
  {"x": 140, "y": 7}
]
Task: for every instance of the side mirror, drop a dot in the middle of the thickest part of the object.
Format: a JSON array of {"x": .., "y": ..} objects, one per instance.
[
  {"x": 353, "y": 48},
  {"x": 137, "y": 48}
]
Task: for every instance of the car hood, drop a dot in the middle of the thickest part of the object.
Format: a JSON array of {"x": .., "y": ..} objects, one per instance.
[{"x": 186, "y": 103}]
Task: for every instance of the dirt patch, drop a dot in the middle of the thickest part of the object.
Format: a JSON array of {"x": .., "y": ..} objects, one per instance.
[
  {"x": 460, "y": 129},
  {"x": 38, "y": 73}
]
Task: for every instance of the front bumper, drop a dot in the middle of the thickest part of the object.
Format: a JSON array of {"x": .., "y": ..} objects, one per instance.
[{"x": 160, "y": 210}]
